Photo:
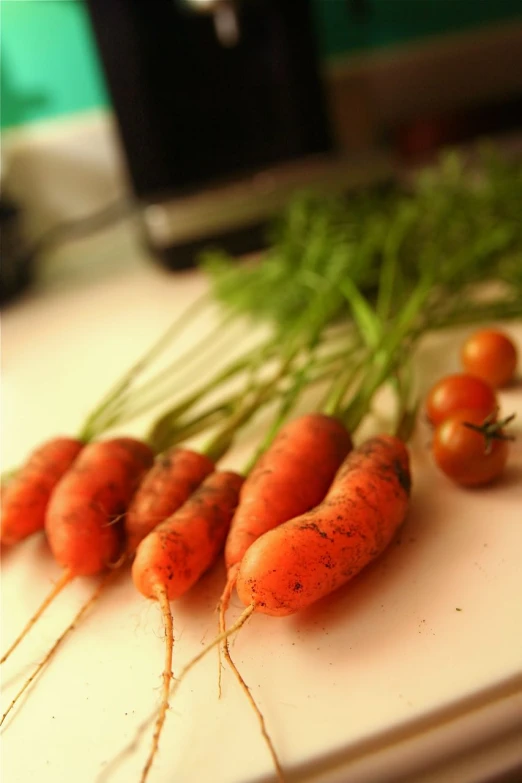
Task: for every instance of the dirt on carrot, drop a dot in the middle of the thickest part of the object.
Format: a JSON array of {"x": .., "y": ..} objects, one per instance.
[
  {"x": 177, "y": 552},
  {"x": 308, "y": 557},
  {"x": 173, "y": 478},
  {"x": 291, "y": 476}
]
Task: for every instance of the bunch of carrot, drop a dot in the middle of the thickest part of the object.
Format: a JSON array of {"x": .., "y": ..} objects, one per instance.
[
  {"x": 308, "y": 511},
  {"x": 177, "y": 512},
  {"x": 93, "y": 516}
]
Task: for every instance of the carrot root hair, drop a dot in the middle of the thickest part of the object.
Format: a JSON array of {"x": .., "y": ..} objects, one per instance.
[
  {"x": 162, "y": 598},
  {"x": 219, "y": 638},
  {"x": 224, "y": 603},
  {"x": 223, "y": 637},
  {"x": 76, "y": 619},
  {"x": 225, "y": 600},
  {"x": 175, "y": 684},
  {"x": 62, "y": 582}
]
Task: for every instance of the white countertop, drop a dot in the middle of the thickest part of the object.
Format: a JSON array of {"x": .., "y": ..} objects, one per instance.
[{"x": 412, "y": 672}]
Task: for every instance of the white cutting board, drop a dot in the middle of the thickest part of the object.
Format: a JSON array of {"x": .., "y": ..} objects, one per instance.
[{"x": 412, "y": 672}]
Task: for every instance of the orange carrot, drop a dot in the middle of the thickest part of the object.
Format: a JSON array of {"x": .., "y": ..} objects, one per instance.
[
  {"x": 308, "y": 557},
  {"x": 90, "y": 500},
  {"x": 290, "y": 477},
  {"x": 171, "y": 559},
  {"x": 168, "y": 484},
  {"x": 181, "y": 548},
  {"x": 84, "y": 515},
  {"x": 26, "y": 496}
]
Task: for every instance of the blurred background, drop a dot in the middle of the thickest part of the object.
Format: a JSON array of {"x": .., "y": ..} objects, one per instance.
[{"x": 201, "y": 118}]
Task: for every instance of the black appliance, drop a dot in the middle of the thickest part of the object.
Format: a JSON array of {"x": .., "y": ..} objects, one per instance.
[{"x": 221, "y": 112}]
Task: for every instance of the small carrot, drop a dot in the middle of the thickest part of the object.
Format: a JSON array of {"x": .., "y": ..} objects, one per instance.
[
  {"x": 174, "y": 476},
  {"x": 85, "y": 509},
  {"x": 308, "y": 557},
  {"x": 90, "y": 498},
  {"x": 26, "y": 496},
  {"x": 172, "y": 558}
]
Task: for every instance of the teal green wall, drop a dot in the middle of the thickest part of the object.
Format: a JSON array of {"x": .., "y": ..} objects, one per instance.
[{"x": 49, "y": 65}]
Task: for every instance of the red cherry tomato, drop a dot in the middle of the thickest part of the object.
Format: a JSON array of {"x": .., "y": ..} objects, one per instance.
[
  {"x": 456, "y": 392},
  {"x": 490, "y": 355},
  {"x": 466, "y": 456}
]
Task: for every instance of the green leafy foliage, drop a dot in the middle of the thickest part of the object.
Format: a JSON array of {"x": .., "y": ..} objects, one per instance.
[{"x": 457, "y": 223}]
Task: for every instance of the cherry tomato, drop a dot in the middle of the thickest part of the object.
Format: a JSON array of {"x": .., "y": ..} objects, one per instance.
[
  {"x": 467, "y": 456},
  {"x": 456, "y": 392},
  {"x": 490, "y": 355}
]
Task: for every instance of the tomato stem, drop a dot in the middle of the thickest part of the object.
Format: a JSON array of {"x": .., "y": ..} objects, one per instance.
[{"x": 491, "y": 429}]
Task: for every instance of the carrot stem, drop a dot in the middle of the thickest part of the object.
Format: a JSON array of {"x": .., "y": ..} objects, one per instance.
[
  {"x": 64, "y": 580},
  {"x": 161, "y": 595},
  {"x": 224, "y": 375},
  {"x": 150, "y": 393},
  {"x": 288, "y": 402},
  {"x": 291, "y": 350},
  {"x": 168, "y": 430},
  {"x": 334, "y": 399},
  {"x": 168, "y": 436},
  {"x": 221, "y": 442},
  {"x": 195, "y": 354},
  {"x": 76, "y": 619},
  {"x": 91, "y": 426},
  {"x": 389, "y": 351}
]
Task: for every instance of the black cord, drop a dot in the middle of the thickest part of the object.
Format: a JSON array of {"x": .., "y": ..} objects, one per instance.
[
  {"x": 17, "y": 261},
  {"x": 76, "y": 228}
]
